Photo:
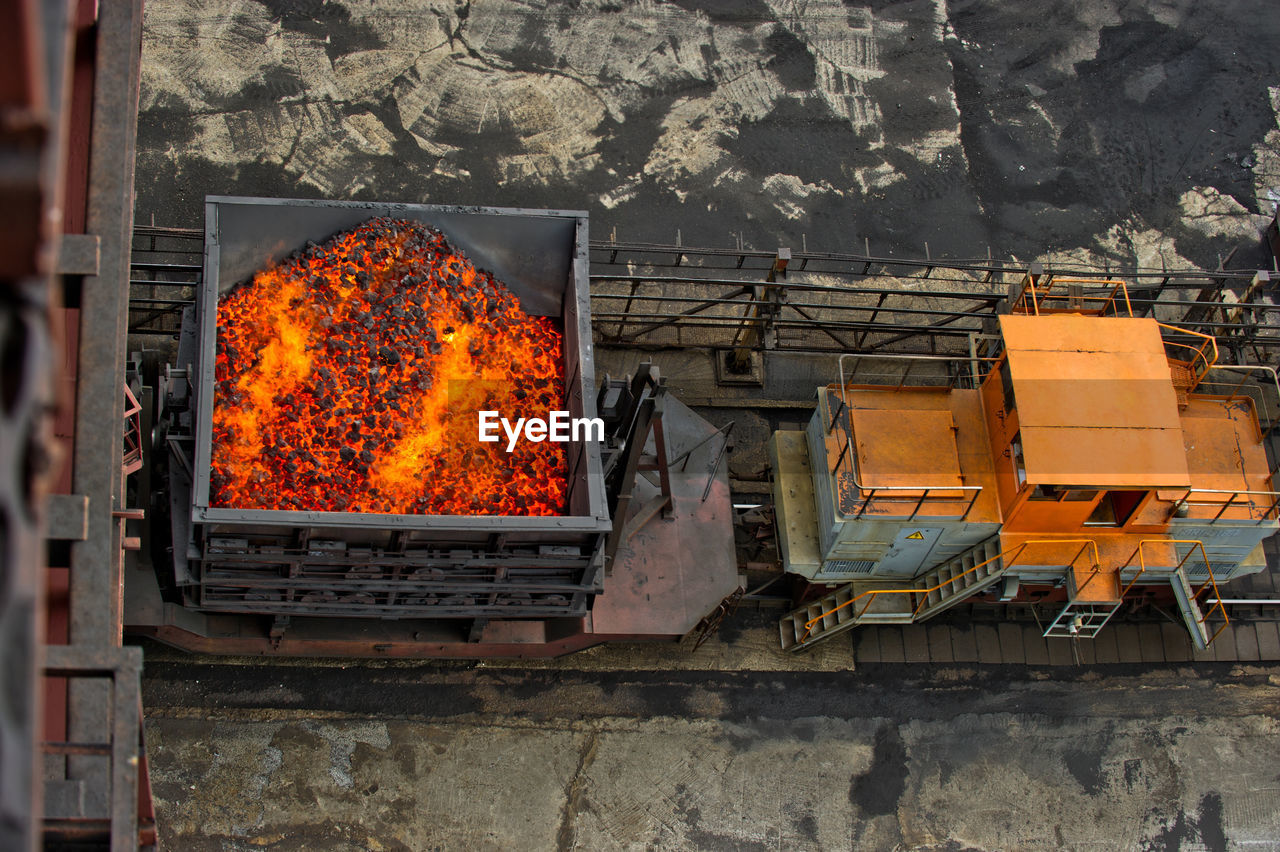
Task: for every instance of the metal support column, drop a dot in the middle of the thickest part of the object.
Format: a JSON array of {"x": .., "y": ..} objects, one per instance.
[
  {"x": 97, "y": 460},
  {"x": 757, "y": 322}
]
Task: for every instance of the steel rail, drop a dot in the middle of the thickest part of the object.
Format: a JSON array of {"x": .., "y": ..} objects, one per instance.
[
  {"x": 802, "y": 258},
  {"x": 970, "y": 264}
]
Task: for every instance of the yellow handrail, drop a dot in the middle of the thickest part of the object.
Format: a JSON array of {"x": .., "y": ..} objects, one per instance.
[
  {"x": 1199, "y": 351},
  {"x": 1211, "y": 583},
  {"x": 919, "y": 494},
  {"x": 1119, "y": 283},
  {"x": 873, "y": 593},
  {"x": 1041, "y": 294},
  {"x": 1264, "y": 509},
  {"x": 1087, "y": 542},
  {"x": 1142, "y": 559},
  {"x": 1217, "y": 596}
]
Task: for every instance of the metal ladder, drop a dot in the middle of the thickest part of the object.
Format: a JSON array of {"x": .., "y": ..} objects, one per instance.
[
  {"x": 860, "y": 602},
  {"x": 1081, "y": 620},
  {"x": 1188, "y": 598}
]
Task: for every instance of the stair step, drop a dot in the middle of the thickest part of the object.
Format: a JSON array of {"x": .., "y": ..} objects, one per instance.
[
  {"x": 832, "y": 620},
  {"x": 887, "y": 618},
  {"x": 786, "y": 633},
  {"x": 1183, "y": 380},
  {"x": 981, "y": 558},
  {"x": 887, "y": 609}
]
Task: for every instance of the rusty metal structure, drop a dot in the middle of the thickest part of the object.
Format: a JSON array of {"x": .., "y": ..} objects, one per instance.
[
  {"x": 914, "y": 324},
  {"x": 647, "y": 295},
  {"x": 804, "y": 301},
  {"x": 1079, "y": 454},
  {"x": 74, "y": 769}
]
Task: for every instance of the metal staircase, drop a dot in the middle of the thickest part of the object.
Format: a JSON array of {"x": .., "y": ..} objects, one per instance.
[
  {"x": 845, "y": 608},
  {"x": 970, "y": 572},
  {"x": 1094, "y": 594},
  {"x": 1197, "y": 360},
  {"x": 878, "y": 602},
  {"x": 1184, "y": 379}
]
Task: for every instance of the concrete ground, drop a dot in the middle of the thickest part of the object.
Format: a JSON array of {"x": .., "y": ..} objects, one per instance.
[
  {"x": 1132, "y": 133},
  {"x": 601, "y": 752}
]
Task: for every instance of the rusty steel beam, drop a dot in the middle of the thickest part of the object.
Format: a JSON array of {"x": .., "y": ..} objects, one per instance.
[
  {"x": 859, "y": 264},
  {"x": 36, "y": 41},
  {"x": 97, "y": 471},
  {"x": 117, "y": 742},
  {"x": 95, "y": 599}
]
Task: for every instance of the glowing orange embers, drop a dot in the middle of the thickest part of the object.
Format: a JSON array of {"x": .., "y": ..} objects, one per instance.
[{"x": 349, "y": 377}]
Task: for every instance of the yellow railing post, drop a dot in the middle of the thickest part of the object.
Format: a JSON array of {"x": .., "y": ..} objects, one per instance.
[
  {"x": 1039, "y": 295},
  {"x": 1142, "y": 569}
]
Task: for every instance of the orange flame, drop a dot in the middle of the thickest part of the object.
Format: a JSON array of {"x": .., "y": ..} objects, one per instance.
[{"x": 349, "y": 378}]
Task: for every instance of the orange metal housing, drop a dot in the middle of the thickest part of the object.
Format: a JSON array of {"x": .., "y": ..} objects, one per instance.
[
  {"x": 1082, "y": 410},
  {"x": 1096, "y": 432},
  {"x": 916, "y": 451},
  {"x": 1092, "y": 457}
]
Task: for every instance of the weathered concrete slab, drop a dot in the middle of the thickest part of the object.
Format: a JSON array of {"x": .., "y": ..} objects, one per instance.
[{"x": 408, "y": 758}]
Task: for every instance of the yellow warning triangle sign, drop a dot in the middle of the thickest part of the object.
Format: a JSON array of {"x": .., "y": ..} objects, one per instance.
[{"x": 919, "y": 536}]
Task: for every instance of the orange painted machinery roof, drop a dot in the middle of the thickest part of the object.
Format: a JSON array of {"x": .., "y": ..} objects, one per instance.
[
  {"x": 1095, "y": 401},
  {"x": 1226, "y": 459},
  {"x": 915, "y": 442},
  {"x": 905, "y": 448}
]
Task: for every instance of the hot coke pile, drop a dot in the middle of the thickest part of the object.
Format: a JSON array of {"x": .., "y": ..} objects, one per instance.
[{"x": 349, "y": 376}]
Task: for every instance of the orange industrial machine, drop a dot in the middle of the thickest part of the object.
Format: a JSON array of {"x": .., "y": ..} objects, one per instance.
[{"x": 1079, "y": 455}]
